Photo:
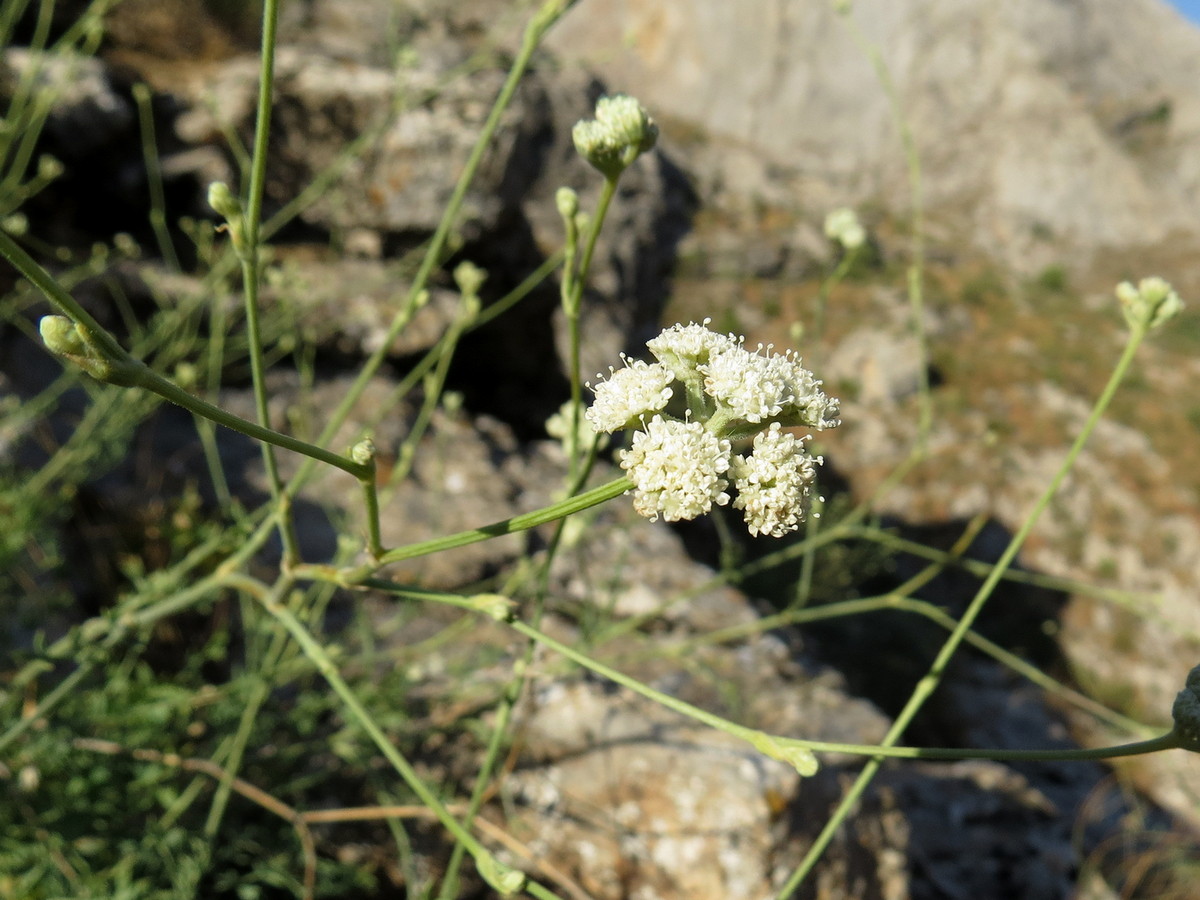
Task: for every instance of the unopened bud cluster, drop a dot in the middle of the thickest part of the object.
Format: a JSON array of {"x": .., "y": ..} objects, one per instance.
[
  {"x": 680, "y": 468},
  {"x": 620, "y": 133},
  {"x": 1150, "y": 304}
]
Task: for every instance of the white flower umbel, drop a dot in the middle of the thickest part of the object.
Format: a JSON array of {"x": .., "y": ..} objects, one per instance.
[
  {"x": 677, "y": 469},
  {"x": 773, "y": 482},
  {"x": 760, "y": 387},
  {"x": 629, "y": 394}
]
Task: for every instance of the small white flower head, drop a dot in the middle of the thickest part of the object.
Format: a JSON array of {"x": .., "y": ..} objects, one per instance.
[
  {"x": 621, "y": 132},
  {"x": 773, "y": 482},
  {"x": 760, "y": 386},
  {"x": 677, "y": 469},
  {"x": 751, "y": 386},
  {"x": 1151, "y": 303},
  {"x": 629, "y": 394},
  {"x": 810, "y": 406},
  {"x": 685, "y": 348},
  {"x": 842, "y": 225}
]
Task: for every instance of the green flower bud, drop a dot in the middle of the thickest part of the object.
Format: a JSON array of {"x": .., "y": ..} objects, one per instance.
[
  {"x": 503, "y": 878},
  {"x": 497, "y": 606},
  {"x": 221, "y": 199},
  {"x": 620, "y": 133},
  {"x": 15, "y": 224},
  {"x": 229, "y": 208},
  {"x": 567, "y": 202},
  {"x": 1150, "y": 304},
  {"x": 70, "y": 340},
  {"x": 788, "y": 751},
  {"x": 469, "y": 278},
  {"x": 49, "y": 168},
  {"x": 363, "y": 452},
  {"x": 61, "y": 337}
]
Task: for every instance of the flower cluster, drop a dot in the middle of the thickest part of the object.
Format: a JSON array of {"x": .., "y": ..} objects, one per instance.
[
  {"x": 620, "y": 133},
  {"x": 1150, "y": 304},
  {"x": 680, "y": 468}
]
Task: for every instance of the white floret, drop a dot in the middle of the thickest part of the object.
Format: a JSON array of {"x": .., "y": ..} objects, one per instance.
[
  {"x": 685, "y": 348},
  {"x": 628, "y": 394},
  {"x": 677, "y": 468},
  {"x": 773, "y": 482}
]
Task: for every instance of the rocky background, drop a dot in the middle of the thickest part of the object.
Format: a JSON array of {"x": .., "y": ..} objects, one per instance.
[{"x": 1058, "y": 144}]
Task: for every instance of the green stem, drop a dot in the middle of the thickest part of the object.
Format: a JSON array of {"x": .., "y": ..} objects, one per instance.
[
  {"x": 522, "y": 522},
  {"x": 250, "y": 256},
  {"x": 168, "y": 390},
  {"x": 1167, "y": 741},
  {"x": 573, "y": 307},
  {"x": 823, "y": 292},
  {"x": 916, "y": 270},
  {"x": 546, "y": 16},
  {"x": 158, "y": 200},
  {"x": 139, "y": 375},
  {"x": 926, "y": 686},
  {"x": 794, "y": 752},
  {"x": 324, "y": 665}
]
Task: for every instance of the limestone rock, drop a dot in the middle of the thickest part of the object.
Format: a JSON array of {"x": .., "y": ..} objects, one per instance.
[{"x": 1033, "y": 120}]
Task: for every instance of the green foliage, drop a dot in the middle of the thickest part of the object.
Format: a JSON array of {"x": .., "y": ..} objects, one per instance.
[
  {"x": 1051, "y": 280},
  {"x": 172, "y": 701},
  {"x": 983, "y": 287}
]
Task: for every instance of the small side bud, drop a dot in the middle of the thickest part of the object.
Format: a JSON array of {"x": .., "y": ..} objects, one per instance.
[
  {"x": 497, "y": 606},
  {"x": 363, "y": 452},
  {"x": 229, "y": 208},
  {"x": 1152, "y": 303},
  {"x": 221, "y": 199},
  {"x": 126, "y": 245},
  {"x": 68, "y": 339},
  {"x": 186, "y": 375},
  {"x": 61, "y": 337},
  {"x": 1186, "y": 713},
  {"x": 469, "y": 278},
  {"x": 49, "y": 168},
  {"x": 15, "y": 224},
  {"x": 567, "y": 202},
  {"x": 503, "y": 878},
  {"x": 787, "y": 751}
]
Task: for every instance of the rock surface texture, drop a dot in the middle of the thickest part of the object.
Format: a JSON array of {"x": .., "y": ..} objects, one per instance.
[
  {"x": 1051, "y": 133},
  {"x": 1033, "y": 119}
]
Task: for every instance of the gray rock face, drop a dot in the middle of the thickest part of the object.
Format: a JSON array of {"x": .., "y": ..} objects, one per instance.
[{"x": 1032, "y": 119}]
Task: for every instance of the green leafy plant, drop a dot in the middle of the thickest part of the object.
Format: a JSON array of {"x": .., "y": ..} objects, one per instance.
[{"x": 126, "y": 736}]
